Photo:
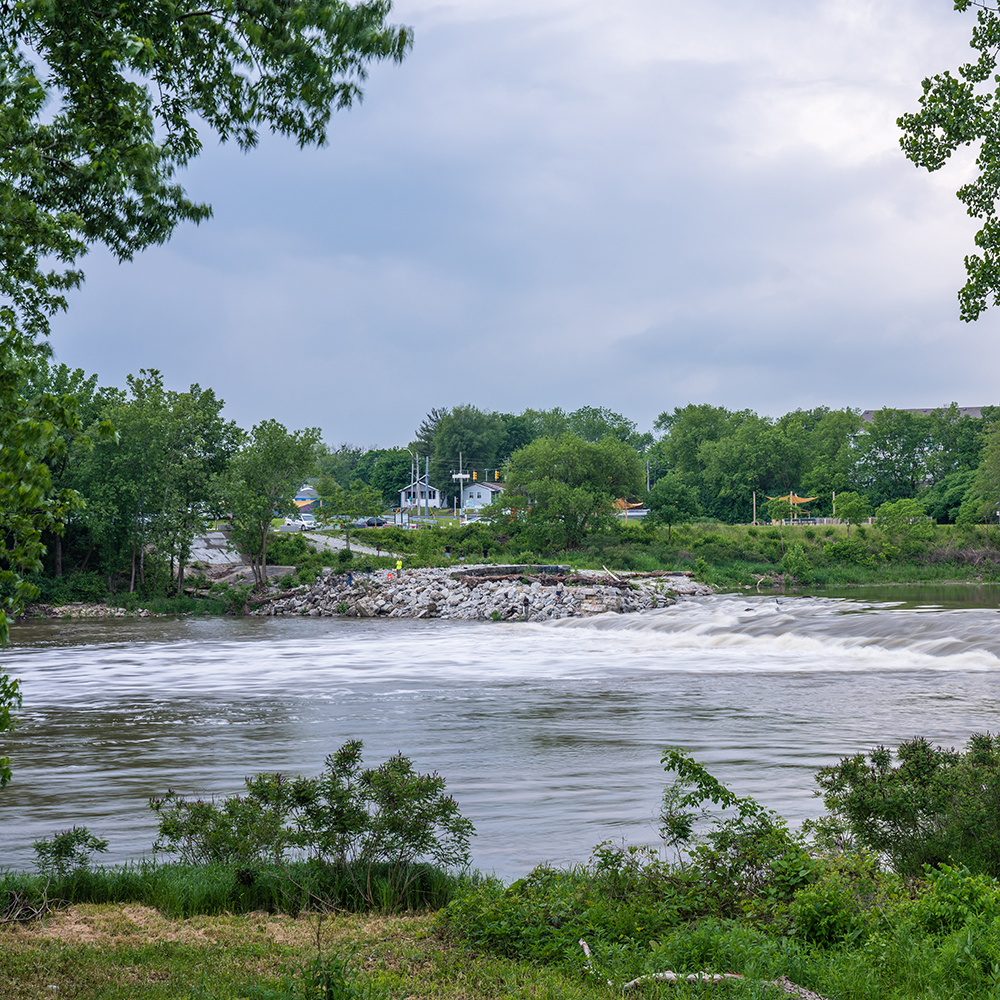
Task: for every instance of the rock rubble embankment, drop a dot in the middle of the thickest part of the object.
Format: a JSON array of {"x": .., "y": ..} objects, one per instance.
[{"x": 474, "y": 594}]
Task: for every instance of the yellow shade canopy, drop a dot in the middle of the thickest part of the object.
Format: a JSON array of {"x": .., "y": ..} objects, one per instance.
[{"x": 794, "y": 498}]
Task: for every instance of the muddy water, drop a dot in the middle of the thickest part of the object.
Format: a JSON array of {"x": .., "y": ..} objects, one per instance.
[{"x": 549, "y": 736}]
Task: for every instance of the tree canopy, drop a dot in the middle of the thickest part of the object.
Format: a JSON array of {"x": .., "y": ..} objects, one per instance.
[
  {"x": 564, "y": 487},
  {"x": 102, "y": 103},
  {"x": 964, "y": 110}
]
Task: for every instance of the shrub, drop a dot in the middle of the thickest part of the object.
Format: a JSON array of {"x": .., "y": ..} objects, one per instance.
[
  {"x": 929, "y": 807},
  {"x": 350, "y": 820},
  {"x": 796, "y": 562},
  {"x": 748, "y": 855},
  {"x": 67, "y": 852}
]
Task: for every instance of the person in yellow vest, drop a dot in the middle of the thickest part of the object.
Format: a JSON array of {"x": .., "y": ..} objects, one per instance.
[{"x": 399, "y": 568}]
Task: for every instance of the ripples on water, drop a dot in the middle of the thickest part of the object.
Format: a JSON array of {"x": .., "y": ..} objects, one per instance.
[{"x": 549, "y": 736}]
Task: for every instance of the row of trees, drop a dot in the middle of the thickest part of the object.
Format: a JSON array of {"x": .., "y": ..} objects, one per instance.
[
  {"x": 154, "y": 467},
  {"x": 156, "y": 463},
  {"x": 476, "y": 439},
  {"x": 703, "y": 460}
]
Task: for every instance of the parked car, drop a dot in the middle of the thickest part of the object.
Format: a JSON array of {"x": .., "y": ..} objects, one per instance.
[
  {"x": 304, "y": 522},
  {"x": 376, "y": 522}
]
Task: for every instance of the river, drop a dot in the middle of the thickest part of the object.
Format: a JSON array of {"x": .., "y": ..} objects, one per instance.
[{"x": 548, "y": 735}]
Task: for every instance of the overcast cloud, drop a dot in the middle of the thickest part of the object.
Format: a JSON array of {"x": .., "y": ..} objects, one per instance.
[{"x": 564, "y": 203}]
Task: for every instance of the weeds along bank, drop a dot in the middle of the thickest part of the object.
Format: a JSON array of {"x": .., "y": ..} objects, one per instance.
[{"x": 742, "y": 896}]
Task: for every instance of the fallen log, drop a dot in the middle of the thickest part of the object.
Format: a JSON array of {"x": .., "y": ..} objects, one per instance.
[{"x": 782, "y": 983}]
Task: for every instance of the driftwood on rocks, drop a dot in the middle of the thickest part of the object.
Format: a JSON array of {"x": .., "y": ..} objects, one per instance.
[{"x": 782, "y": 983}]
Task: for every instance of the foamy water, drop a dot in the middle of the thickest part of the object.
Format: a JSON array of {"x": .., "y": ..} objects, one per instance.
[{"x": 548, "y": 735}]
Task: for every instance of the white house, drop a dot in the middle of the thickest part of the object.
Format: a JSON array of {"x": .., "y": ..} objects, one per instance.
[
  {"x": 476, "y": 495},
  {"x": 416, "y": 495}
]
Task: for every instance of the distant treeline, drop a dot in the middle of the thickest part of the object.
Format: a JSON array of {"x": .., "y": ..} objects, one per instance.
[
  {"x": 723, "y": 455},
  {"x": 159, "y": 463}
]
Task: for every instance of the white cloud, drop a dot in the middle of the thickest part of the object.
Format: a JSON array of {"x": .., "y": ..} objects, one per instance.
[{"x": 565, "y": 202}]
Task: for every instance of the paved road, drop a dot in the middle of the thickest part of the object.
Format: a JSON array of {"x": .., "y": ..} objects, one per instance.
[{"x": 328, "y": 543}]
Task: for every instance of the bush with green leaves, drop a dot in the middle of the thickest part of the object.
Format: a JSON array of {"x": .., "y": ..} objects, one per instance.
[
  {"x": 748, "y": 855},
  {"x": 624, "y": 894},
  {"x": 796, "y": 562},
  {"x": 922, "y": 805},
  {"x": 351, "y": 819},
  {"x": 67, "y": 852}
]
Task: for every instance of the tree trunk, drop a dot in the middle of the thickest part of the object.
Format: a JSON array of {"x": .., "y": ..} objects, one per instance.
[
  {"x": 86, "y": 558},
  {"x": 131, "y": 583},
  {"x": 58, "y": 556}
]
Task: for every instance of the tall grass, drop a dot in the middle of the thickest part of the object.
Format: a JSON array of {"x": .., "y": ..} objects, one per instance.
[{"x": 184, "y": 890}]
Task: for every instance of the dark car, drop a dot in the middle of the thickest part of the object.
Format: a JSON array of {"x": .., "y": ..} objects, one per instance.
[{"x": 376, "y": 522}]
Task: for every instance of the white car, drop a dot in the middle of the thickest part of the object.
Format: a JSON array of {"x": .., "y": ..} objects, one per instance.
[{"x": 304, "y": 522}]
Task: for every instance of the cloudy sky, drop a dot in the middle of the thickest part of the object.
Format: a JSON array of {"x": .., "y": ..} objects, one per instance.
[{"x": 636, "y": 204}]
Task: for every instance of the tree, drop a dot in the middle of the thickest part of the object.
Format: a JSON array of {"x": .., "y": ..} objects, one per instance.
[
  {"x": 562, "y": 488},
  {"x": 982, "y": 502},
  {"x": 36, "y": 428},
  {"x": 892, "y": 455},
  {"x": 100, "y": 106},
  {"x": 672, "y": 502},
  {"x": 929, "y": 806},
  {"x": 964, "y": 110},
  {"x": 10, "y": 698},
  {"x": 904, "y": 524},
  {"x": 853, "y": 509},
  {"x": 360, "y": 500},
  {"x": 103, "y": 104},
  {"x": 263, "y": 478},
  {"x": 470, "y": 432}
]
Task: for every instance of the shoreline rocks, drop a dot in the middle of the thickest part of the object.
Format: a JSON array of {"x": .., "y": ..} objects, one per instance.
[
  {"x": 481, "y": 593},
  {"x": 81, "y": 610}
]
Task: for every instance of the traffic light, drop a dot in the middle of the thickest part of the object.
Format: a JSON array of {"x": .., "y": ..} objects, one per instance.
[
  {"x": 496, "y": 474},
  {"x": 474, "y": 474}
]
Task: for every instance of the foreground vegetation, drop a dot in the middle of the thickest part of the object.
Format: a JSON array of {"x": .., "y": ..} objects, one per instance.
[{"x": 919, "y": 918}]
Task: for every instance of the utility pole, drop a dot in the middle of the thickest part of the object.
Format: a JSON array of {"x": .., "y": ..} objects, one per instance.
[
  {"x": 460, "y": 476},
  {"x": 754, "y": 506},
  {"x": 427, "y": 487}
]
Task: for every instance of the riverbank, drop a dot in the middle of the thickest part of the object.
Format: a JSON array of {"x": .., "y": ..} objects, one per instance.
[
  {"x": 79, "y": 609},
  {"x": 471, "y": 593}
]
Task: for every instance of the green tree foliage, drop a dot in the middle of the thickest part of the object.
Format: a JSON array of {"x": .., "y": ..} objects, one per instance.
[
  {"x": 892, "y": 455},
  {"x": 922, "y": 805},
  {"x": 853, "y": 509},
  {"x": 153, "y": 487},
  {"x": 982, "y": 499},
  {"x": 262, "y": 480},
  {"x": 350, "y": 817},
  {"x": 561, "y": 488},
  {"x": 686, "y": 430},
  {"x": 470, "y": 432},
  {"x": 10, "y": 698},
  {"x": 962, "y": 110},
  {"x": 727, "y": 456},
  {"x": 904, "y": 525},
  {"x": 945, "y": 498},
  {"x": 102, "y": 105},
  {"x": 672, "y": 502}
]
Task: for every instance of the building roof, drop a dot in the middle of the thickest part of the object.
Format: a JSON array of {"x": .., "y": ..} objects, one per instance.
[
  {"x": 494, "y": 487},
  {"x": 963, "y": 411}
]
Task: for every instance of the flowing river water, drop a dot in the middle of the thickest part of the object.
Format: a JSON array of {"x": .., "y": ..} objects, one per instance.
[{"x": 548, "y": 735}]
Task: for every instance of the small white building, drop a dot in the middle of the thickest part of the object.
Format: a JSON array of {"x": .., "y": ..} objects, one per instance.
[
  {"x": 416, "y": 495},
  {"x": 476, "y": 495}
]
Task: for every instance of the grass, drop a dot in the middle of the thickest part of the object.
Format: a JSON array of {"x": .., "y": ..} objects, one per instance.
[{"x": 119, "y": 952}]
